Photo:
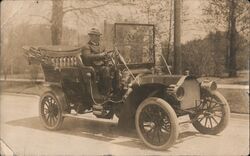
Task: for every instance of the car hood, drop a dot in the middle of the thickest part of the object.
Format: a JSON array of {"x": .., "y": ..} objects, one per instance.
[{"x": 163, "y": 79}]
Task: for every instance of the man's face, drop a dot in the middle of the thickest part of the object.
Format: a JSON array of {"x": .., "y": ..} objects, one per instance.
[{"x": 94, "y": 38}]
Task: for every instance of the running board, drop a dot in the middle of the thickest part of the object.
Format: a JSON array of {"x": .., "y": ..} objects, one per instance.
[{"x": 92, "y": 118}]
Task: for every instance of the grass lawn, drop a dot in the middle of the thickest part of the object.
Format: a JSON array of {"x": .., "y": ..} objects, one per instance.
[
  {"x": 238, "y": 100},
  {"x": 241, "y": 79},
  {"x": 22, "y": 88},
  {"x": 23, "y": 76}
]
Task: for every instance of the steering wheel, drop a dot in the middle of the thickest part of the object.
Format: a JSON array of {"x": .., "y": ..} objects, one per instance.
[{"x": 111, "y": 57}]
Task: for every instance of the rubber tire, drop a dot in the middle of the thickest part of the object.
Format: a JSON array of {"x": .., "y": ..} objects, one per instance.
[
  {"x": 224, "y": 121},
  {"x": 58, "y": 125},
  {"x": 173, "y": 120}
]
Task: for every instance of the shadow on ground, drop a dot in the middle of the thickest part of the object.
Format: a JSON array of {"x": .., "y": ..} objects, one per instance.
[{"x": 99, "y": 130}]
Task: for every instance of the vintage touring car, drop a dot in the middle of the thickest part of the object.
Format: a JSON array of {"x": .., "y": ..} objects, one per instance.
[{"x": 139, "y": 94}]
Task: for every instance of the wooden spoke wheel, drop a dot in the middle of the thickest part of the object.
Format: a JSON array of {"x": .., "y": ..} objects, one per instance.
[
  {"x": 156, "y": 123},
  {"x": 212, "y": 116},
  {"x": 50, "y": 110}
]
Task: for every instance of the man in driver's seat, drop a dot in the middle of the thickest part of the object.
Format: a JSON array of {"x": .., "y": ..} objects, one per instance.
[{"x": 93, "y": 56}]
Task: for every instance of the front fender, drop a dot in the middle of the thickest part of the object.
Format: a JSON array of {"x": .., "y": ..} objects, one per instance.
[{"x": 127, "y": 117}]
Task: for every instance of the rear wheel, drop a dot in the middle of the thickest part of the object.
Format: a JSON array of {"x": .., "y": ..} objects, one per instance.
[
  {"x": 156, "y": 123},
  {"x": 50, "y": 110},
  {"x": 212, "y": 116}
]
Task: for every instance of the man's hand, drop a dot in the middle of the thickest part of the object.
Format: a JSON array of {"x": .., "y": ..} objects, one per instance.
[{"x": 104, "y": 55}]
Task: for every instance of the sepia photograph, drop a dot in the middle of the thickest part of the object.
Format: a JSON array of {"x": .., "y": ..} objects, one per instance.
[{"x": 124, "y": 77}]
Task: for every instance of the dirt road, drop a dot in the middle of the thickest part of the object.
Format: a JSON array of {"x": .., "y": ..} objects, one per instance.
[{"x": 22, "y": 131}]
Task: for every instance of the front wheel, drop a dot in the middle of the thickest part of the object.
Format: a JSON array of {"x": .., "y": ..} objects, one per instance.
[
  {"x": 156, "y": 123},
  {"x": 212, "y": 116},
  {"x": 50, "y": 110}
]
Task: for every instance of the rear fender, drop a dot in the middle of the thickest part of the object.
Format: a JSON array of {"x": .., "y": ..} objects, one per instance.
[{"x": 57, "y": 91}]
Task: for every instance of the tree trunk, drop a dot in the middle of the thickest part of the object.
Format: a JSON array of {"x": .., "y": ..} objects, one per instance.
[
  {"x": 57, "y": 22},
  {"x": 177, "y": 38},
  {"x": 169, "y": 33},
  {"x": 232, "y": 41}
]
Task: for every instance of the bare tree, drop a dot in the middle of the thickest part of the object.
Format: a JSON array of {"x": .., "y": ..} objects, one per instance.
[
  {"x": 56, "y": 21},
  {"x": 169, "y": 30},
  {"x": 233, "y": 16},
  {"x": 157, "y": 12},
  {"x": 59, "y": 11}
]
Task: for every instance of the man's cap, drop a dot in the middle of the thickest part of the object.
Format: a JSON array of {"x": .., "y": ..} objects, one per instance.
[{"x": 94, "y": 31}]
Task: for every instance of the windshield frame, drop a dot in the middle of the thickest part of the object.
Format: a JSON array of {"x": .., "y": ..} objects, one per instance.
[{"x": 137, "y": 65}]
